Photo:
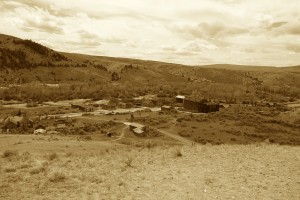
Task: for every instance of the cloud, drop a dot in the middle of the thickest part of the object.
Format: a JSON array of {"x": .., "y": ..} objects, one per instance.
[
  {"x": 35, "y": 19},
  {"x": 294, "y": 30},
  {"x": 277, "y": 24},
  {"x": 31, "y": 25},
  {"x": 195, "y": 47},
  {"x": 90, "y": 37},
  {"x": 232, "y": 31},
  {"x": 211, "y": 31},
  {"x": 51, "y": 8},
  {"x": 293, "y": 47}
]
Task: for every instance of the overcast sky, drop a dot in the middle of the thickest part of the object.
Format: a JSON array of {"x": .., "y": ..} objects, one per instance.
[{"x": 252, "y": 32}]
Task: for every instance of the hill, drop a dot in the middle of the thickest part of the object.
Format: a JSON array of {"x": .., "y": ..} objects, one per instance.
[{"x": 26, "y": 62}]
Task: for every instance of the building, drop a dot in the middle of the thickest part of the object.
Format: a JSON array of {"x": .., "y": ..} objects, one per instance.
[
  {"x": 137, "y": 129},
  {"x": 200, "y": 105},
  {"x": 109, "y": 106},
  {"x": 124, "y": 105},
  {"x": 83, "y": 108},
  {"x": 180, "y": 98}
]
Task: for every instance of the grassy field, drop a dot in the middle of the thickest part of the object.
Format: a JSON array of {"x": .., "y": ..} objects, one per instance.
[{"x": 60, "y": 167}]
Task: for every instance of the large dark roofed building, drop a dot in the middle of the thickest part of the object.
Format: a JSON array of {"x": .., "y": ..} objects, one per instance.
[{"x": 200, "y": 105}]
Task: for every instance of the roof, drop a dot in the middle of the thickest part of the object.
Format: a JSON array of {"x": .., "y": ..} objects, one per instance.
[
  {"x": 138, "y": 131},
  {"x": 40, "y": 126},
  {"x": 211, "y": 104},
  {"x": 196, "y": 99},
  {"x": 140, "y": 126},
  {"x": 180, "y": 97},
  {"x": 39, "y": 131}
]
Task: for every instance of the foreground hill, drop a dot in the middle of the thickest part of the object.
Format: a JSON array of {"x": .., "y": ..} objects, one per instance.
[
  {"x": 65, "y": 168},
  {"x": 25, "y": 61}
]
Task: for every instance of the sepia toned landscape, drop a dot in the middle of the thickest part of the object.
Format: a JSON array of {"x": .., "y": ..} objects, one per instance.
[{"x": 80, "y": 123}]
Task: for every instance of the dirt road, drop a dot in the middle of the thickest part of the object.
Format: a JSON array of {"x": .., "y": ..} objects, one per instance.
[
  {"x": 122, "y": 133},
  {"x": 176, "y": 137}
]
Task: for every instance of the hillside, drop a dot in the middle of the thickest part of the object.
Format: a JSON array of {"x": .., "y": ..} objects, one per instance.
[{"x": 25, "y": 62}]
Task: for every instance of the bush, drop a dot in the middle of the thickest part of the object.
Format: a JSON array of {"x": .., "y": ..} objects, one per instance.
[
  {"x": 38, "y": 170},
  {"x": 128, "y": 161},
  {"x": 52, "y": 156},
  {"x": 57, "y": 177},
  {"x": 177, "y": 152},
  {"x": 10, "y": 169},
  {"x": 184, "y": 134},
  {"x": 9, "y": 153}
]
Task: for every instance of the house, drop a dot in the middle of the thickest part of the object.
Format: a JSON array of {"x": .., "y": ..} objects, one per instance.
[
  {"x": 124, "y": 105},
  {"x": 83, "y": 108},
  {"x": 109, "y": 107},
  {"x": 180, "y": 98},
  {"x": 199, "y": 105},
  {"x": 137, "y": 129}
]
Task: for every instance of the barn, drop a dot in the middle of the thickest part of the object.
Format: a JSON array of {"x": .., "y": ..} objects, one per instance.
[
  {"x": 199, "y": 105},
  {"x": 180, "y": 98}
]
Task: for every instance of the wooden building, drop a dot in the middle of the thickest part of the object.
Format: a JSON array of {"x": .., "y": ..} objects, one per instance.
[
  {"x": 180, "y": 98},
  {"x": 200, "y": 105}
]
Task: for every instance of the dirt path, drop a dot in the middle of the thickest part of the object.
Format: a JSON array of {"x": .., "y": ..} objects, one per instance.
[
  {"x": 176, "y": 137},
  {"x": 122, "y": 134}
]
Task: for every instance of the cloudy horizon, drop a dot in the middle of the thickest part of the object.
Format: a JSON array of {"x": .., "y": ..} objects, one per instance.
[{"x": 194, "y": 32}]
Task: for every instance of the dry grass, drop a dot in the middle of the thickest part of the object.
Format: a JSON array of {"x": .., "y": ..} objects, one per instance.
[
  {"x": 130, "y": 172},
  {"x": 52, "y": 156},
  {"x": 57, "y": 176},
  {"x": 38, "y": 170}
]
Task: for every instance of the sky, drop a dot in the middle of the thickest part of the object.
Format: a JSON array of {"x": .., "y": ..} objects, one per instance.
[{"x": 193, "y": 32}]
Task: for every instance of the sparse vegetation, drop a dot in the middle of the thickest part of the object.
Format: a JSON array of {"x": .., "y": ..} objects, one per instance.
[
  {"x": 52, "y": 156},
  {"x": 57, "y": 176},
  {"x": 177, "y": 151},
  {"x": 9, "y": 153}
]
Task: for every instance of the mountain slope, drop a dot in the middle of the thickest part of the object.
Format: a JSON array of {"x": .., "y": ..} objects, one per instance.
[{"x": 25, "y": 61}]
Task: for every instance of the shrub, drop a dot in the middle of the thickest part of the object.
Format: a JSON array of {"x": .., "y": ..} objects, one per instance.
[
  {"x": 57, "y": 177},
  {"x": 9, "y": 153},
  {"x": 149, "y": 144},
  {"x": 52, "y": 156},
  {"x": 184, "y": 134},
  {"x": 128, "y": 161},
  {"x": 177, "y": 151},
  {"x": 38, "y": 170},
  {"x": 10, "y": 169}
]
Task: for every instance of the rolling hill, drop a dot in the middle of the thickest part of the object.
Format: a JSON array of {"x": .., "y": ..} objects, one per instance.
[{"x": 25, "y": 61}]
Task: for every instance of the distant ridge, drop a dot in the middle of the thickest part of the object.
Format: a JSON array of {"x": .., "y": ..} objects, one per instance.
[{"x": 43, "y": 64}]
